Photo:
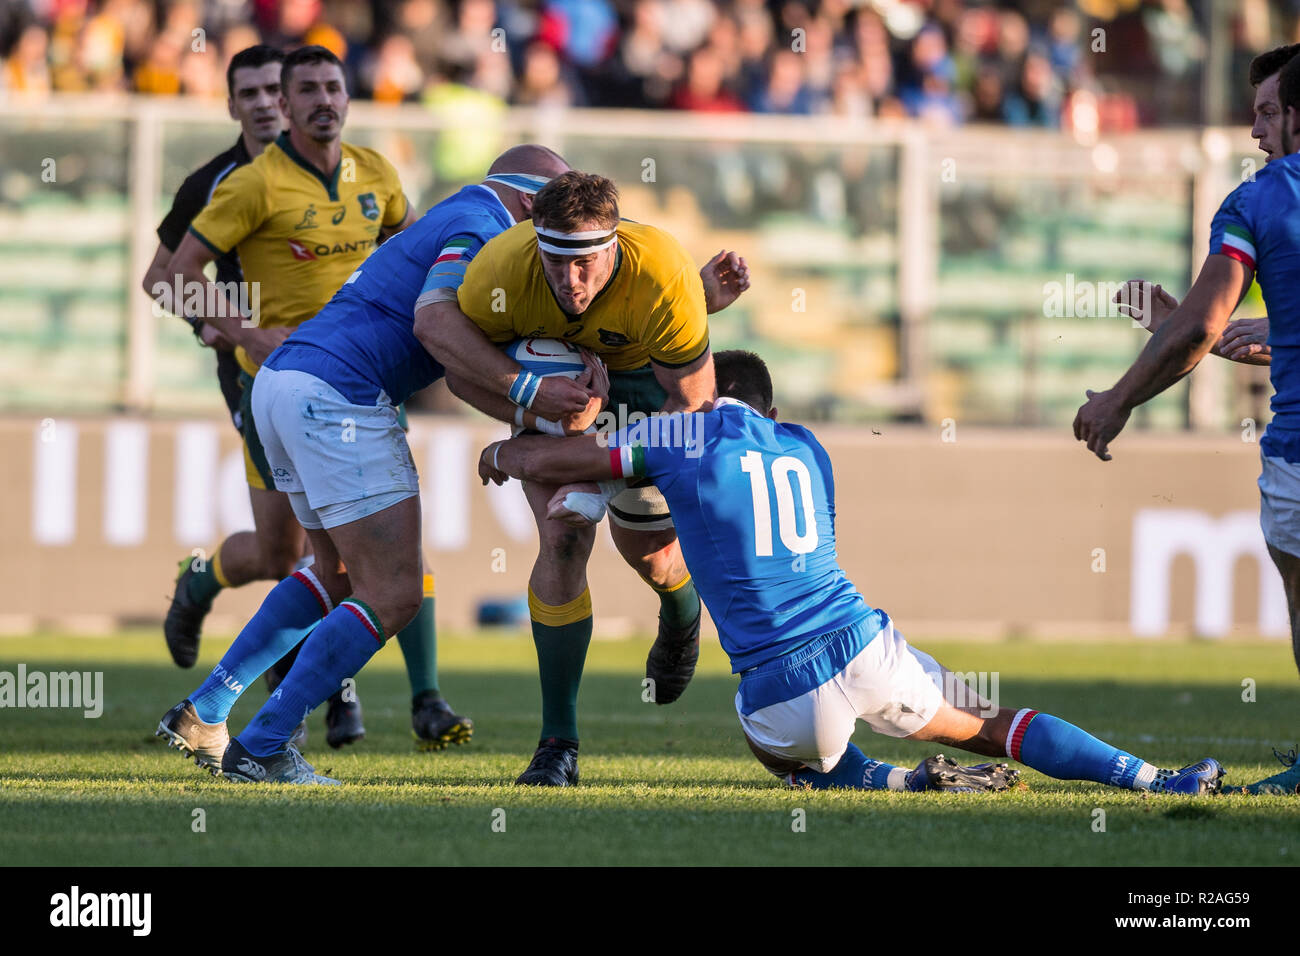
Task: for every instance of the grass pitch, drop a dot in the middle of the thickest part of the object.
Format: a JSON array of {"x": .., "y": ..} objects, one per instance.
[{"x": 668, "y": 785}]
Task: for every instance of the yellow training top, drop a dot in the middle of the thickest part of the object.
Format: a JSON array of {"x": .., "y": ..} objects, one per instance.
[
  {"x": 298, "y": 233},
  {"x": 652, "y": 307}
]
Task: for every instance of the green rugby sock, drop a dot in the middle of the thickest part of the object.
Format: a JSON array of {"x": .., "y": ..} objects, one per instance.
[
  {"x": 419, "y": 644},
  {"x": 679, "y": 606},
  {"x": 206, "y": 581},
  {"x": 561, "y": 635}
]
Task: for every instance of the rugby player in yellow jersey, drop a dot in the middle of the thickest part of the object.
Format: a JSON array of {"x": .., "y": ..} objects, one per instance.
[
  {"x": 630, "y": 293},
  {"x": 303, "y": 216}
]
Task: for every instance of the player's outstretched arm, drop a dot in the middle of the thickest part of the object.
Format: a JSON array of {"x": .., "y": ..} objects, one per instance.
[
  {"x": 1244, "y": 340},
  {"x": 1174, "y": 350},
  {"x": 454, "y": 340},
  {"x": 555, "y": 461}
]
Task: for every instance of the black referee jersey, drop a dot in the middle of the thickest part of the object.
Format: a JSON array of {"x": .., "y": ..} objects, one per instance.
[{"x": 193, "y": 195}]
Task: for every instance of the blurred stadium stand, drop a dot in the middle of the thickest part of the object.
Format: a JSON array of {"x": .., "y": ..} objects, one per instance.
[
  {"x": 900, "y": 271},
  {"x": 915, "y": 175}
]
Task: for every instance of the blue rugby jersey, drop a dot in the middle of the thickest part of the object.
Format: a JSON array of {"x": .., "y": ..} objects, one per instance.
[
  {"x": 754, "y": 505},
  {"x": 363, "y": 341},
  {"x": 1259, "y": 225}
]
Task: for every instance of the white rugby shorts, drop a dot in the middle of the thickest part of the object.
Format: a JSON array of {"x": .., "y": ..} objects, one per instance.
[
  {"x": 1279, "y": 503},
  {"x": 338, "y": 462},
  {"x": 891, "y": 685}
]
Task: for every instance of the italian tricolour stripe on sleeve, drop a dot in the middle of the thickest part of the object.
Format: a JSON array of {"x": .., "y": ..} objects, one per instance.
[
  {"x": 1238, "y": 244},
  {"x": 452, "y": 251},
  {"x": 627, "y": 461}
]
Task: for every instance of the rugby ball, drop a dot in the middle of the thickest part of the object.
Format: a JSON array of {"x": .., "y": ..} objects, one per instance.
[{"x": 546, "y": 357}]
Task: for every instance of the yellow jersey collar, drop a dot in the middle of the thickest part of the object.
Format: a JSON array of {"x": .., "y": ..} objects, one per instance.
[{"x": 331, "y": 183}]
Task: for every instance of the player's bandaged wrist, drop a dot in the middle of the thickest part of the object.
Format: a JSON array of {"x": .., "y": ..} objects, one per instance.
[
  {"x": 524, "y": 389},
  {"x": 540, "y": 424}
]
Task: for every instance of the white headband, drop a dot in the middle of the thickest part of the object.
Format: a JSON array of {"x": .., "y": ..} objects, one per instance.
[
  {"x": 574, "y": 243},
  {"x": 522, "y": 182}
]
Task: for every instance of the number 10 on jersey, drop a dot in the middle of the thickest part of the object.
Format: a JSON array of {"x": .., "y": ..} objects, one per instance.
[{"x": 783, "y": 468}]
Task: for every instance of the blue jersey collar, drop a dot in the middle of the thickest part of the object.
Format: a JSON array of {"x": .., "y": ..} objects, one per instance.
[{"x": 493, "y": 194}]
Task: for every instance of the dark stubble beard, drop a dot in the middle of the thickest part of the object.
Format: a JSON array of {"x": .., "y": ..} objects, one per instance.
[{"x": 315, "y": 134}]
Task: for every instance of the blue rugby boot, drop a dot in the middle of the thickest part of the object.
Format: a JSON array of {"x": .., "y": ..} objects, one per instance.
[
  {"x": 287, "y": 766},
  {"x": 1199, "y": 779}
]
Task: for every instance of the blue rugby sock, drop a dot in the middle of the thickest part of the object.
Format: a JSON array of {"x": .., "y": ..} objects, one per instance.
[
  {"x": 1061, "y": 750},
  {"x": 855, "y": 771},
  {"x": 338, "y": 648},
  {"x": 293, "y": 608}
]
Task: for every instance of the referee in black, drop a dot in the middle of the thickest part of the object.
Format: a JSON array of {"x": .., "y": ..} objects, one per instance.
[{"x": 253, "y": 80}]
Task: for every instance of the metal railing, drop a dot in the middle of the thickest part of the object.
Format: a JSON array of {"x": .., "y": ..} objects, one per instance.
[{"x": 900, "y": 272}]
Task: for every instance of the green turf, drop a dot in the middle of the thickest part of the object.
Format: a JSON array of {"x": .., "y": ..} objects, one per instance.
[{"x": 660, "y": 785}]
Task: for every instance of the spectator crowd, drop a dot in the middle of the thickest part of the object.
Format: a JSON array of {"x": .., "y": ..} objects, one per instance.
[{"x": 1115, "y": 63}]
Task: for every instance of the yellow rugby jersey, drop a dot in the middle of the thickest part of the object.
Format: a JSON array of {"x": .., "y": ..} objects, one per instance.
[
  {"x": 652, "y": 307},
  {"x": 300, "y": 235}
]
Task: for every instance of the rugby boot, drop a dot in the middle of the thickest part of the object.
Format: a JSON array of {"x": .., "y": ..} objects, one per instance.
[
  {"x": 671, "y": 662},
  {"x": 184, "y": 622},
  {"x": 555, "y": 764},
  {"x": 287, "y": 766},
  {"x": 343, "y": 721},
  {"x": 940, "y": 773},
  {"x": 193, "y": 738},
  {"x": 1201, "y": 778},
  {"x": 435, "y": 725},
  {"x": 1286, "y": 781}
]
